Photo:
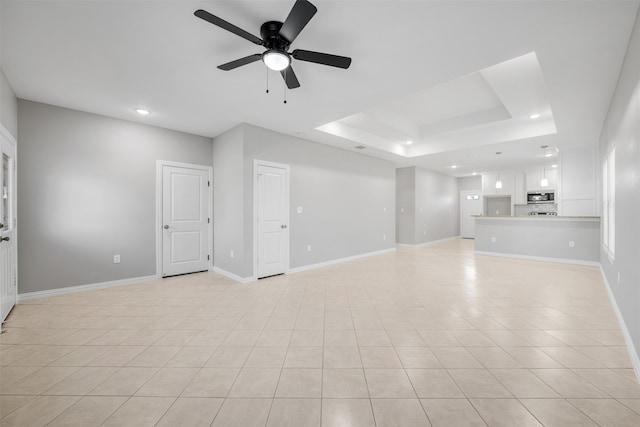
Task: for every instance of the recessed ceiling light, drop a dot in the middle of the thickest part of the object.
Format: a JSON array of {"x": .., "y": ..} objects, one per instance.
[
  {"x": 554, "y": 166},
  {"x": 534, "y": 116},
  {"x": 454, "y": 166},
  {"x": 409, "y": 142},
  {"x": 142, "y": 111},
  {"x": 475, "y": 173},
  {"x": 548, "y": 154}
]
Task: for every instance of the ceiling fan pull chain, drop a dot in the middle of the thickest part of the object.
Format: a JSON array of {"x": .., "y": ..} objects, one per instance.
[
  {"x": 284, "y": 86},
  {"x": 267, "y": 70}
]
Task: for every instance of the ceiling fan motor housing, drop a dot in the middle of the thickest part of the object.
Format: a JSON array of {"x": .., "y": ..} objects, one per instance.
[{"x": 271, "y": 38}]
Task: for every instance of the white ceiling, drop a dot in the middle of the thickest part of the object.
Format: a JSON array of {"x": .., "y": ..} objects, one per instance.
[{"x": 109, "y": 57}]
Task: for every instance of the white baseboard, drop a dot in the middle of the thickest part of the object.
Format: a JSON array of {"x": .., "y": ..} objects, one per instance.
[
  {"x": 338, "y": 261},
  {"x": 432, "y": 242},
  {"x": 82, "y": 288},
  {"x": 231, "y": 275},
  {"x": 631, "y": 349},
  {"x": 538, "y": 258}
]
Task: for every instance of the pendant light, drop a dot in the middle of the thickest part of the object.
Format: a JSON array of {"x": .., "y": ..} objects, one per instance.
[
  {"x": 498, "y": 181},
  {"x": 544, "y": 182}
]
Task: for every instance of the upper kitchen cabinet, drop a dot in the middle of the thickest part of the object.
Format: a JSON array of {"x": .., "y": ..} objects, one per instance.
[
  {"x": 489, "y": 184},
  {"x": 534, "y": 179}
]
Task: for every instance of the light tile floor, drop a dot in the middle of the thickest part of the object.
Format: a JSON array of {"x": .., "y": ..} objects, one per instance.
[{"x": 428, "y": 336}]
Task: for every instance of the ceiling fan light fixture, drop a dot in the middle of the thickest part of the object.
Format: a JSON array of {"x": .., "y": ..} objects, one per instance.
[{"x": 276, "y": 60}]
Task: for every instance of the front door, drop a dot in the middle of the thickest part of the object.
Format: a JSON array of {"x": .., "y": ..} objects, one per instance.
[
  {"x": 8, "y": 253},
  {"x": 185, "y": 220},
  {"x": 273, "y": 219},
  {"x": 470, "y": 204}
]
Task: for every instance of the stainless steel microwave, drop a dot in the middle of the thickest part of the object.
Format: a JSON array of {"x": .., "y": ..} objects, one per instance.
[{"x": 539, "y": 197}]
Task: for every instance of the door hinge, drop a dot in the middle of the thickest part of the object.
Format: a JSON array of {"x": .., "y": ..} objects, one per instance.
[
  {"x": 208, "y": 183},
  {"x": 208, "y": 257},
  {"x": 208, "y": 220}
]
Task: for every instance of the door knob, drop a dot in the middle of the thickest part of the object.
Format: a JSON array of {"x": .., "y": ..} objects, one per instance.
[
  {"x": 283, "y": 226},
  {"x": 166, "y": 227},
  {"x": 5, "y": 239},
  {"x": 1, "y": 225}
]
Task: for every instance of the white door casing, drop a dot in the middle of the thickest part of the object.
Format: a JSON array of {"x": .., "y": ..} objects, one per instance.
[
  {"x": 272, "y": 218},
  {"x": 185, "y": 222},
  {"x": 8, "y": 233},
  {"x": 471, "y": 203}
]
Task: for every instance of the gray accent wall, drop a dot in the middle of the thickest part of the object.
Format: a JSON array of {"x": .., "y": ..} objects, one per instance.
[
  {"x": 406, "y": 205},
  {"x": 87, "y": 191},
  {"x": 431, "y": 206},
  {"x": 539, "y": 237},
  {"x": 622, "y": 129},
  {"x": 347, "y": 199},
  {"x": 8, "y": 106},
  {"x": 228, "y": 203}
]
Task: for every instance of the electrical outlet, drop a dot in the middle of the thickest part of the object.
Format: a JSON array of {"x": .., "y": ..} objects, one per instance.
[
  {"x": 116, "y": 259},
  {"x": 424, "y": 233},
  {"x": 308, "y": 248},
  {"x": 401, "y": 210},
  {"x": 231, "y": 254},
  {"x": 420, "y": 210},
  {"x": 384, "y": 210},
  {"x": 299, "y": 209},
  {"x": 493, "y": 239},
  {"x": 572, "y": 243},
  {"x": 384, "y": 237}
]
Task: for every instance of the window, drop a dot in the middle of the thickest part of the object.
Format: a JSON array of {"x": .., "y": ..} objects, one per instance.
[{"x": 609, "y": 203}]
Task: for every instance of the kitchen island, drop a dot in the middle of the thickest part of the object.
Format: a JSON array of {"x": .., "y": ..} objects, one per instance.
[{"x": 573, "y": 239}]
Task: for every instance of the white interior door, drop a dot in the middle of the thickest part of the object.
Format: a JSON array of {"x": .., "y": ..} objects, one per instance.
[
  {"x": 470, "y": 204},
  {"x": 185, "y": 220},
  {"x": 8, "y": 253},
  {"x": 273, "y": 220}
]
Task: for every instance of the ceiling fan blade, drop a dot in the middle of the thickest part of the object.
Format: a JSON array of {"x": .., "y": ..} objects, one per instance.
[
  {"x": 290, "y": 78},
  {"x": 203, "y": 14},
  {"x": 322, "y": 58},
  {"x": 240, "y": 62},
  {"x": 298, "y": 18}
]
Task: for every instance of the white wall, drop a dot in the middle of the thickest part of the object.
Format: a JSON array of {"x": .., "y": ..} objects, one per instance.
[
  {"x": 87, "y": 191},
  {"x": 470, "y": 183},
  {"x": 622, "y": 130},
  {"x": 343, "y": 194},
  {"x": 8, "y": 106}
]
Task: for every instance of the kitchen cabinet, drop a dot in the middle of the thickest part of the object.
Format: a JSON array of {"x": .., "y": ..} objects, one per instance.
[
  {"x": 489, "y": 184},
  {"x": 519, "y": 190},
  {"x": 534, "y": 178}
]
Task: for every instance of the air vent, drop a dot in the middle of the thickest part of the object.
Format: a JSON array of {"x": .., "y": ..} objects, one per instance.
[{"x": 360, "y": 147}]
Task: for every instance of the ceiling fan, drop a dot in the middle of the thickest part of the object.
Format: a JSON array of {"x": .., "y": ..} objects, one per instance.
[{"x": 276, "y": 38}]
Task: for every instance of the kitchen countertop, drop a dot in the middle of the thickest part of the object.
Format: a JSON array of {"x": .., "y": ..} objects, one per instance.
[{"x": 539, "y": 218}]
